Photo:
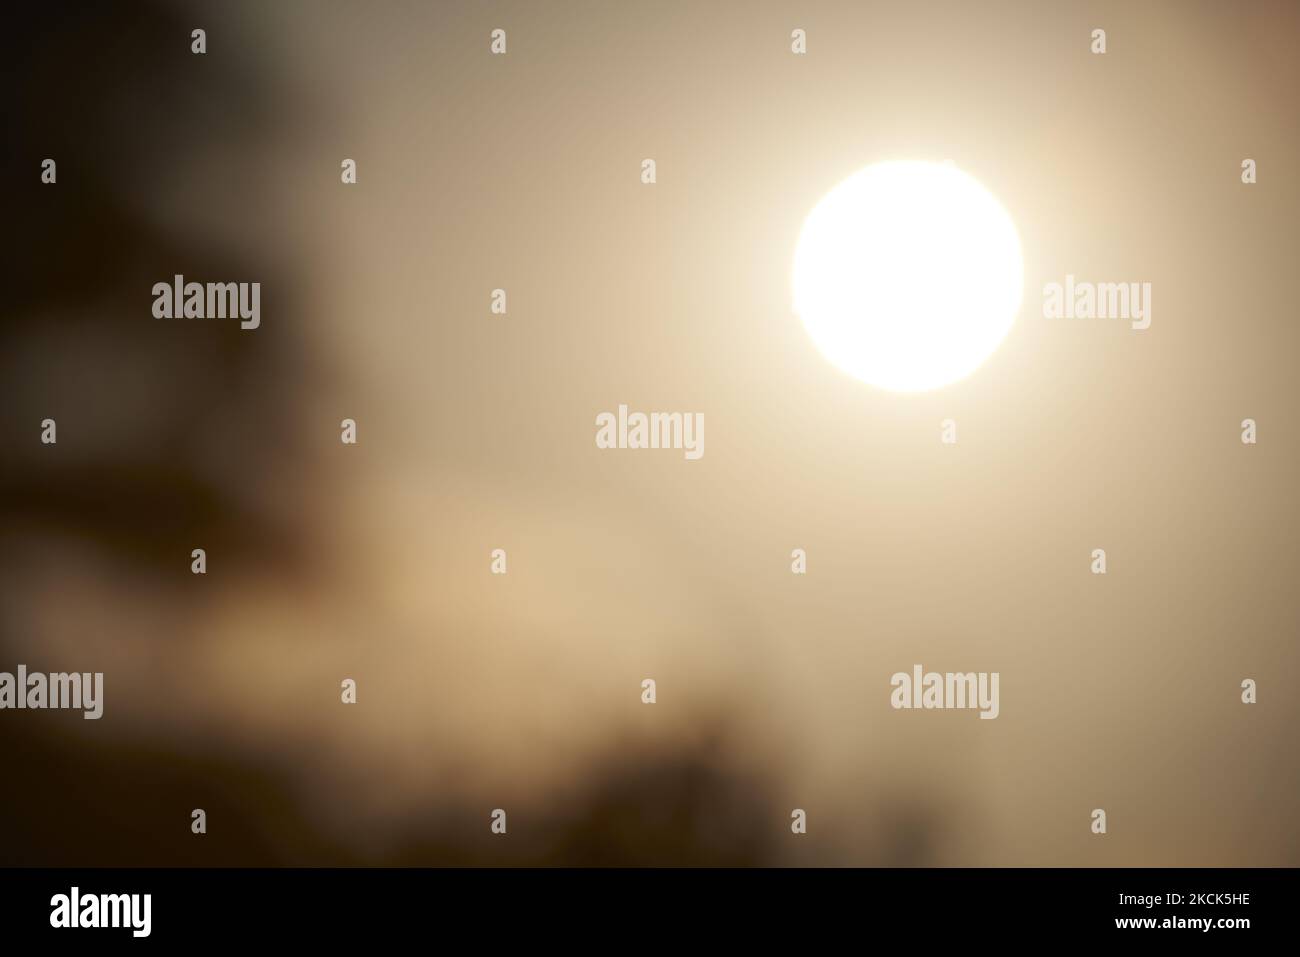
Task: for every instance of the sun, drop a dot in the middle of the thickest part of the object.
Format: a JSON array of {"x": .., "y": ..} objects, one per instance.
[{"x": 908, "y": 275}]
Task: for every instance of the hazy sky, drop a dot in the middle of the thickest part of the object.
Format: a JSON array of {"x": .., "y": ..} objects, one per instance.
[{"x": 476, "y": 431}]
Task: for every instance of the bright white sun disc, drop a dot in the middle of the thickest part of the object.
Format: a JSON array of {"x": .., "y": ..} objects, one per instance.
[{"x": 908, "y": 275}]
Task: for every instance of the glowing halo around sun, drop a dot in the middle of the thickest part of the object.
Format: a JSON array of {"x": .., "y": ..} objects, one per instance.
[{"x": 908, "y": 275}]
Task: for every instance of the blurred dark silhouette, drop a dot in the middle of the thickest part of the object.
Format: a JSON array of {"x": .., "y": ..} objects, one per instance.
[
  {"x": 119, "y": 804},
  {"x": 116, "y": 98}
]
